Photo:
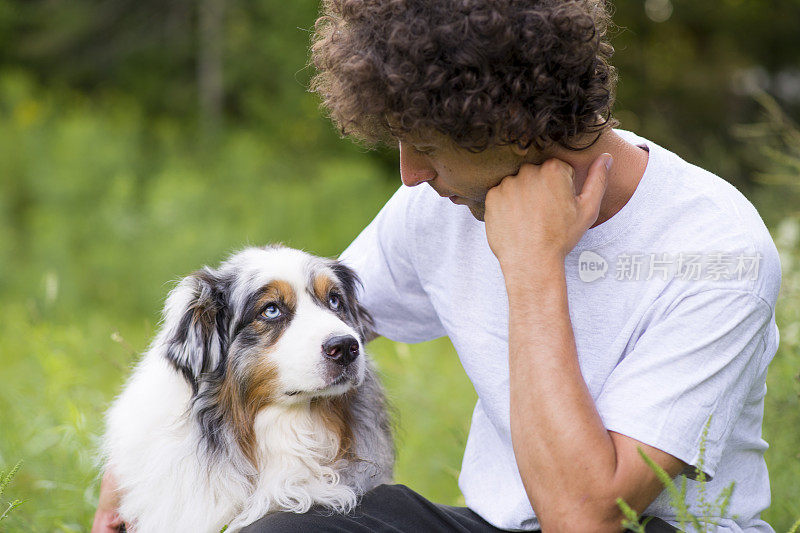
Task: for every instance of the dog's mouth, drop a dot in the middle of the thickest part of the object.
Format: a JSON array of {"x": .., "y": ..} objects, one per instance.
[
  {"x": 338, "y": 381},
  {"x": 327, "y": 390}
]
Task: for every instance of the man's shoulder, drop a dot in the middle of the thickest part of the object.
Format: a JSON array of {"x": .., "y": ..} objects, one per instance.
[
  {"x": 686, "y": 194},
  {"x": 693, "y": 211}
]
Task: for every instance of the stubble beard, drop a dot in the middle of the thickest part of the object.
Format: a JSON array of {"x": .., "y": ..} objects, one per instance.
[{"x": 478, "y": 210}]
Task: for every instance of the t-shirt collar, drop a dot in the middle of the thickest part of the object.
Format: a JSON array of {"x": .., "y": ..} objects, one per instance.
[{"x": 632, "y": 213}]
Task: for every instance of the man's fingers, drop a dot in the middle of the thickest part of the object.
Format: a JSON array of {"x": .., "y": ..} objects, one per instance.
[
  {"x": 105, "y": 522},
  {"x": 106, "y": 518},
  {"x": 115, "y": 521},
  {"x": 594, "y": 188}
]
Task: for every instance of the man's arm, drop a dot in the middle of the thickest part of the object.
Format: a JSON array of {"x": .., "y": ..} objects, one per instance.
[
  {"x": 573, "y": 469},
  {"x": 392, "y": 293}
]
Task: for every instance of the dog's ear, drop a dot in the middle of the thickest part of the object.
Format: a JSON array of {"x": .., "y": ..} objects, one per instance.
[
  {"x": 359, "y": 316},
  {"x": 195, "y": 331}
]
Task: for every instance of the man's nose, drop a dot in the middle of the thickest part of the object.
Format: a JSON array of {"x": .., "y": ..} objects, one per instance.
[{"x": 414, "y": 167}]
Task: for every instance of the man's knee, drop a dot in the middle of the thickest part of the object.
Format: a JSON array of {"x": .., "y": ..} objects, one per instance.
[
  {"x": 285, "y": 522},
  {"x": 386, "y": 501}
]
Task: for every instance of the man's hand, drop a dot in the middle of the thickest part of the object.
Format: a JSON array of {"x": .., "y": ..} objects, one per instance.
[
  {"x": 536, "y": 214},
  {"x": 106, "y": 519}
]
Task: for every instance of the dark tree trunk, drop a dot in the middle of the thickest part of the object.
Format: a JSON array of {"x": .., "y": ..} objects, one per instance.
[{"x": 209, "y": 63}]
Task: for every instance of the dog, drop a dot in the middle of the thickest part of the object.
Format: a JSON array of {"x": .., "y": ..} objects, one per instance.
[{"x": 255, "y": 396}]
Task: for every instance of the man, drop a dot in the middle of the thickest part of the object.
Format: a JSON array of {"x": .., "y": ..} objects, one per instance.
[
  {"x": 497, "y": 106},
  {"x": 604, "y": 296}
]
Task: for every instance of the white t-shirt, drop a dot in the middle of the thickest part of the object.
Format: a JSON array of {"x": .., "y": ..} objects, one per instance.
[{"x": 672, "y": 304}]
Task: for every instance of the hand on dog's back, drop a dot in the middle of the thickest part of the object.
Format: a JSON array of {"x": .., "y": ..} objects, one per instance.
[{"x": 106, "y": 519}]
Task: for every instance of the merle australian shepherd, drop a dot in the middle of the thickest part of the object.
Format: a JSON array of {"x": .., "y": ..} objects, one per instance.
[{"x": 255, "y": 396}]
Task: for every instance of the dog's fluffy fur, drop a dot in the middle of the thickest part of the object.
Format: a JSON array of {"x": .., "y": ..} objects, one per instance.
[{"x": 237, "y": 409}]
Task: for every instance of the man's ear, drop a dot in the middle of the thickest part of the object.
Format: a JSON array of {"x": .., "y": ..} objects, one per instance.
[
  {"x": 359, "y": 316},
  {"x": 194, "y": 332}
]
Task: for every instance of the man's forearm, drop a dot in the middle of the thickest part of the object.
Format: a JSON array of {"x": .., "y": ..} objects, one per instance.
[
  {"x": 566, "y": 457},
  {"x": 572, "y": 467}
]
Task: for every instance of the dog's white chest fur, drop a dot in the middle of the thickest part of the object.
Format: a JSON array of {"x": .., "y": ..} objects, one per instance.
[{"x": 298, "y": 455}]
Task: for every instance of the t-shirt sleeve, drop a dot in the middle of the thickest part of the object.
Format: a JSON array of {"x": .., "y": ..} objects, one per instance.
[
  {"x": 383, "y": 257},
  {"x": 697, "y": 360}
]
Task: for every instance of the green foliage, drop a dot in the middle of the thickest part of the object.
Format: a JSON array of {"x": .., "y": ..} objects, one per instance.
[
  {"x": 775, "y": 141},
  {"x": 632, "y": 520},
  {"x": 678, "y": 496},
  {"x": 686, "y": 81},
  {"x": 100, "y": 209},
  {"x": 778, "y": 134},
  {"x": 98, "y": 174},
  {"x": 5, "y": 481},
  {"x": 705, "y": 522},
  {"x": 709, "y": 511},
  {"x": 686, "y": 69}
]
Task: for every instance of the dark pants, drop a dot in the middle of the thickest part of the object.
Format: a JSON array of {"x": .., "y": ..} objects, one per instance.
[{"x": 395, "y": 509}]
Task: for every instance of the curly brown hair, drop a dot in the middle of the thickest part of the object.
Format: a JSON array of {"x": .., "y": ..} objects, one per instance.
[{"x": 482, "y": 72}]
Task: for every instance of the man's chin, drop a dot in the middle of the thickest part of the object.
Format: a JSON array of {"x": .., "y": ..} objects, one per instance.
[{"x": 478, "y": 210}]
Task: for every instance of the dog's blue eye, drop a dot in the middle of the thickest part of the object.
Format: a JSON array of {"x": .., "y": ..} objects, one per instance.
[
  {"x": 334, "y": 301},
  {"x": 272, "y": 311}
]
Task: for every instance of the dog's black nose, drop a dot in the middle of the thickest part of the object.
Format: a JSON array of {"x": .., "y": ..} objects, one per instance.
[{"x": 342, "y": 350}]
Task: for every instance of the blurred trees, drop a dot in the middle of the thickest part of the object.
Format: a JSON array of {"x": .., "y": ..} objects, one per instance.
[
  {"x": 106, "y": 99},
  {"x": 243, "y": 60},
  {"x": 687, "y": 67}
]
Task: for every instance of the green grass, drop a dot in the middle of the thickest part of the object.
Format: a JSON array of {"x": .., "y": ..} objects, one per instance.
[
  {"x": 705, "y": 522},
  {"x": 97, "y": 218},
  {"x": 101, "y": 209},
  {"x": 5, "y": 481},
  {"x": 782, "y": 404}
]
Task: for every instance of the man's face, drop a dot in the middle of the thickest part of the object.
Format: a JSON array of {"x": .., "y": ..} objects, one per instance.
[{"x": 463, "y": 176}]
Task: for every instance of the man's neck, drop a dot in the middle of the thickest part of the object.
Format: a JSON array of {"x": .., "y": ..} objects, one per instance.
[{"x": 630, "y": 162}]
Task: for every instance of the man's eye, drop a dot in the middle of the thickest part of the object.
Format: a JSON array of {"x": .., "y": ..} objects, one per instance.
[
  {"x": 271, "y": 312},
  {"x": 334, "y": 301}
]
